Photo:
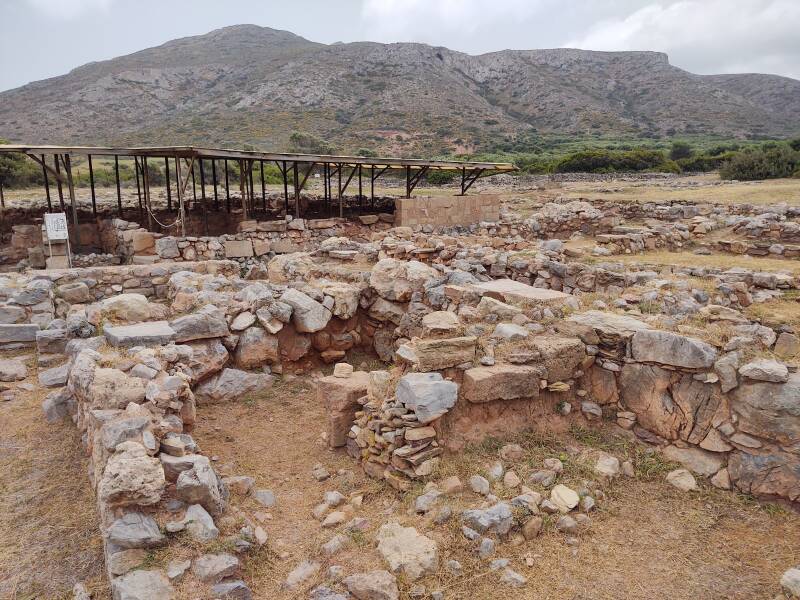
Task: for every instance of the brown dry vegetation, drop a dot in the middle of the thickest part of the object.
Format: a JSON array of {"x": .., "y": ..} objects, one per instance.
[
  {"x": 769, "y": 192},
  {"x": 49, "y": 531},
  {"x": 689, "y": 259}
]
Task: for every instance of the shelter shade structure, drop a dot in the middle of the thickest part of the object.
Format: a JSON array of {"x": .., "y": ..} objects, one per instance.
[{"x": 192, "y": 163}]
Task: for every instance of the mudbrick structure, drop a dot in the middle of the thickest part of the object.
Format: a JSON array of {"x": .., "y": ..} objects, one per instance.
[{"x": 486, "y": 329}]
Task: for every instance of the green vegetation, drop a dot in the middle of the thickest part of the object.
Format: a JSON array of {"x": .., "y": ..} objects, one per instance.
[
  {"x": 440, "y": 177},
  {"x": 609, "y": 161},
  {"x": 309, "y": 144},
  {"x": 770, "y": 161},
  {"x": 751, "y": 159}
]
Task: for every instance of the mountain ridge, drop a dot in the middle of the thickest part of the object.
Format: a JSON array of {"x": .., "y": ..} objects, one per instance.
[{"x": 246, "y": 84}]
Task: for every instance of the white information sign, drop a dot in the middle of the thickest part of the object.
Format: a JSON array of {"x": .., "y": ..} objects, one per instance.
[{"x": 56, "y": 226}]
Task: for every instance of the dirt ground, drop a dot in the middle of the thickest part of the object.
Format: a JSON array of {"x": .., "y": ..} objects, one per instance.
[
  {"x": 49, "y": 530},
  {"x": 646, "y": 540}
]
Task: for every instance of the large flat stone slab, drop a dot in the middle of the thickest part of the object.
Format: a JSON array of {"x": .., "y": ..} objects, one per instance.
[
  {"x": 238, "y": 249},
  {"x": 610, "y": 324},
  {"x": 22, "y": 332},
  {"x": 141, "y": 334},
  {"x": 510, "y": 291},
  {"x": 501, "y": 382}
]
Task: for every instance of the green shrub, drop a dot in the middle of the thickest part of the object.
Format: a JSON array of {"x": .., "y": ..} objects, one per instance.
[
  {"x": 767, "y": 162},
  {"x": 609, "y": 161},
  {"x": 440, "y": 177},
  {"x": 681, "y": 150},
  {"x": 309, "y": 143}
]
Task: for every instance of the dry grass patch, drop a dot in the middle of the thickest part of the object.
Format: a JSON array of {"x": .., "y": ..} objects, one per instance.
[
  {"x": 690, "y": 189},
  {"x": 647, "y": 539},
  {"x": 714, "y": 261},
  {"x": 49, "y": 530}
]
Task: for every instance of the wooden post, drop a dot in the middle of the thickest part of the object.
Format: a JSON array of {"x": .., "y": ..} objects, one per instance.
[
  {"x": 181, "y": 209},
  {"x": 119, "y": 192},
  {"x": 138, "y": 187},
  {"x": 166, "y": 175},
  {"x": 227, "y": 188},
  {"x": 203, "y": 196},
  {"x": 360, "y": 190},
  {"x": 58, "y": 181},
  {"x": 285, "y": 188},
  {"x": 71, "y": 185},
  {"x": 91, "y": 186},
  {"x": 263, "y": 187},
  {"x": 47, "y": 186},
  {"x": 296, "y": 190},
  {"x": 242, "y": 189},
  {"x": 214, "y": 182},
  {"x": 372, "y": 186},
  {"x": 194, "y": 186},
  {"x": 341, "y": 199},
  {"x": 147, "y": 205}
]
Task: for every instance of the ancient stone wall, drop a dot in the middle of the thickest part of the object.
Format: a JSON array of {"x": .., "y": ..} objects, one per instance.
[{"x": 447, "y": 210}]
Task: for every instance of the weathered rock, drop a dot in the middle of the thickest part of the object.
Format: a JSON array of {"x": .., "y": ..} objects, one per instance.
[
  {"x": 564, "y": 498},
  {"x": 213, "y": 568},
  {"x": 497, "y": 518},
  {"x": 232, "y": 590},
  {"x": 682, "y": 479},
  {"x": 308, "y": 315},
  {"x": 131, "y": 308},
  {"x": 153, "y": 333},
  {"x": 769, "y": 410},
  {"x": 429, "y": 395},
  {"x": 501, "y": 382},
  {"x": 765, "y": 370},
  {"x": 208, "y": 322},
  {"x": 340, "y": 397},
  {"x": 12, "y": 369},
  {"x": 142, "y": 585},
  {"x": 256, "y": 348},
  {"x": 435, "y": 354},
  {"x": 135, "y": 530},
  {"x": 440, "y": 321},
  {"x": 231, "y": 385},
  {"x": 208, "y": 357},
  {"x": 200, "y": 485},
  {"x": 775, "y": 475},
  {"x": 131, "y": 477},
  {"x": 199, "y": 524},
  {"x": 396, "y": 280},
  {"x": 375, "y": 585},
  {"x": 407, "y": 551},
  {"x": 790, "y": 582},
  {"x": 669, "y": 348},
  {"x": 300, "y": 574},
  {"x": 696, "y": 460}
]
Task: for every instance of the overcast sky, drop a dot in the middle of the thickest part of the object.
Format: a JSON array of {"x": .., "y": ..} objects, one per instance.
[{"x": 44, "y": 38}]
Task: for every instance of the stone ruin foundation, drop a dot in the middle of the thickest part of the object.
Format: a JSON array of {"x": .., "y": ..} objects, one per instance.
[{"x": 482, "y": 329}]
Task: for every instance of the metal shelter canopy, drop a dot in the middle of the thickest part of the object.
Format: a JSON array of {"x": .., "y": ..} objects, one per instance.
[
  {"x": 330, "y": 165},
  {"x": 223, "y": 153}
]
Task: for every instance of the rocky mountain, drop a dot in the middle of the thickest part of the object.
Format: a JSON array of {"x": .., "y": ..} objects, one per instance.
[{"x": 249, "y": 84}]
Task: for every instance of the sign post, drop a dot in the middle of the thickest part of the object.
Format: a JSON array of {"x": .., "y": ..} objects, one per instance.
[{"x": 56, "y": 227}]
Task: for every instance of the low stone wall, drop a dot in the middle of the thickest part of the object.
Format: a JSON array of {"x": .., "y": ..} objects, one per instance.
[{"x": 447, "y": 210}]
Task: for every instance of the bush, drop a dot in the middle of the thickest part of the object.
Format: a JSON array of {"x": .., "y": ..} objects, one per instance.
[
  {"x": 309, "y": 144},
  {"x": 795, "y": 144},
  {"x": 680, "y": 150},
  {"x": 440, "y": 177},
  {"x": 767, "y": 162},
  {"x": 609, "y": 161}
]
